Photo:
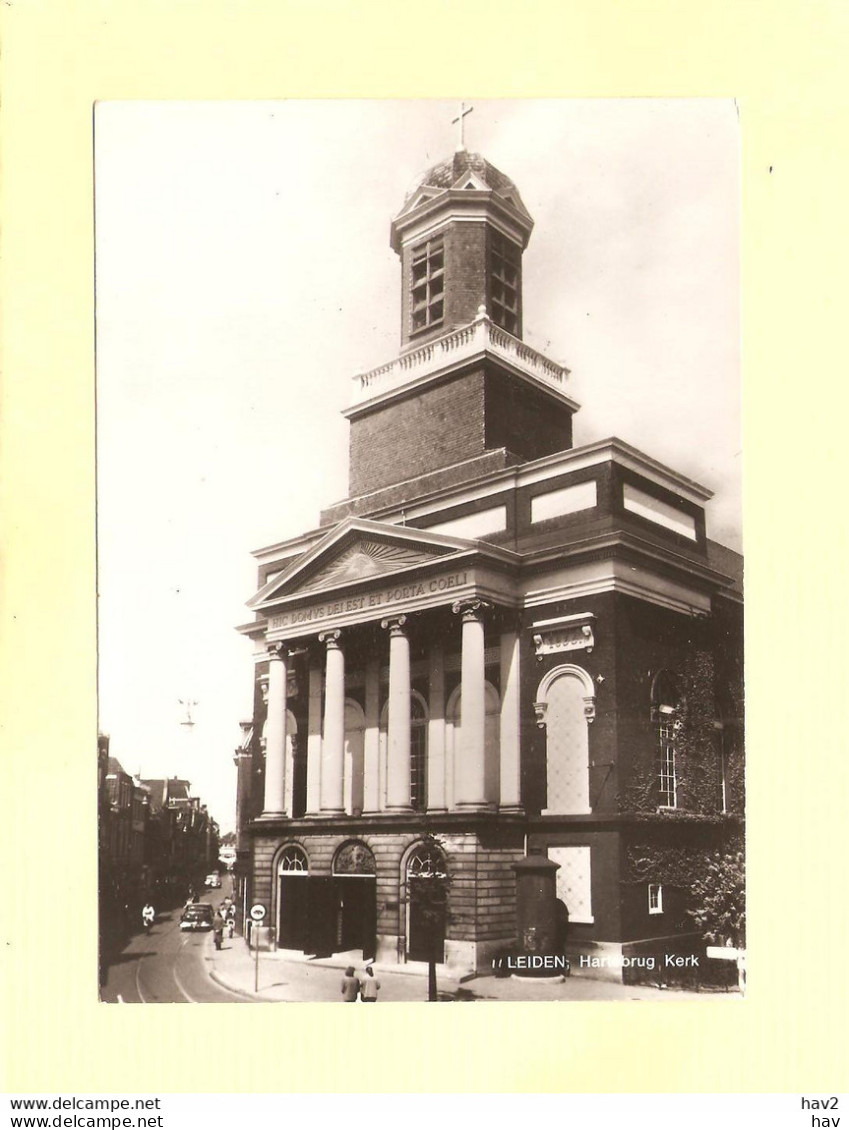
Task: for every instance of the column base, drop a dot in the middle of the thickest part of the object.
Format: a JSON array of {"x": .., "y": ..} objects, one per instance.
[
  {"x": 399, "y": 808},
  {"x": 273, "y": 816},
  {"x": 514, "y": 809},
  {"x": 475, "y": 805}
]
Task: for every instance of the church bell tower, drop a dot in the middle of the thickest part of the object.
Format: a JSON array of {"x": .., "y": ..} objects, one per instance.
[{"x": 466, "y": 396}]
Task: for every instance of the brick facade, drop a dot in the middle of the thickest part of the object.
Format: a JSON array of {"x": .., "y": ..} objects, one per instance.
[{"x": 424, "y": 432}]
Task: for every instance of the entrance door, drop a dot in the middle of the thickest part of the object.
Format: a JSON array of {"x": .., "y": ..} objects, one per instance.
[
  {"x": 321, "y": 916},
  {"x": 426, "y": 935},
  {"x": 356, "y": 914},
  {"x": 293, "y": 912}
]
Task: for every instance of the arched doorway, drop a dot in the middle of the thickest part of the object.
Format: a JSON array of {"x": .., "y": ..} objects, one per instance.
[
  {"x": 355, "y": 898},
  {"x": 292, "y": 896},
  {"x": 426, "y": 875}
]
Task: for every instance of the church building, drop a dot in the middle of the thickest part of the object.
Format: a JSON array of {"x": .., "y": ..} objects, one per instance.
[{"x": 500, "y": 648}]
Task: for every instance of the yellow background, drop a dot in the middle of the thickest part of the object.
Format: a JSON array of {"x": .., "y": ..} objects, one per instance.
[{"x": 785, "y": 64}]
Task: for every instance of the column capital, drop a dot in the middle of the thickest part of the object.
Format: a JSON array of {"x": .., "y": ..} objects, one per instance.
[
  {"x": 395, "y": 624},
  {"x": 471, "y": 608},
  {"x": 331, "y": 639},
  {"x": 285, "y": 650}
]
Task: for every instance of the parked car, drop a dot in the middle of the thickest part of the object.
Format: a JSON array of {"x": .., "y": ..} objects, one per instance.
[
  {"x": 213, "y": 880},
  {"x": 197, "y": 916}
]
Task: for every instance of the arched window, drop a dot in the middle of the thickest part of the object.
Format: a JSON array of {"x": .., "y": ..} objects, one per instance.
[
  {"x": 427, "y": 862},
  {"x": 293, "y": 861},
  {"x": 665, "y": 705},
  {"x": 565, "y": 706},
  {"x": 354, "y": 858}
]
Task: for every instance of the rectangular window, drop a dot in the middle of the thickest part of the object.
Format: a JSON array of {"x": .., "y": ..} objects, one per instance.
[
  {"x": 505, "y": 264},
  {"x": 655, "y": 898},
  {"x": 427, "y": 290},
  {"x": 573, "y": 884},
  {"x": 721, "y": 765},
  {"x": 667, "y": 781},
  {"x": 418, "y": 763}
]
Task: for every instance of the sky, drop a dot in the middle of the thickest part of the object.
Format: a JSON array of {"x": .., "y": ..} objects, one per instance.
[{"x": 244, "y": 276}]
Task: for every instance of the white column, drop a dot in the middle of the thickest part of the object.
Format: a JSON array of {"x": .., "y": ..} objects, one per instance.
[
  {"x": 371, "y": 748},
  {"x": 398, "y": 722},
  {"x": 333, "y": 743},
  {"x": 275, "y": 735},
  {"x": 510, "y": 730},
  {"x": 436, "y": 730},
  {"x": 314, "y": 740},
  {"x": 290, "y": 763},
  {"x": 469, "y": 761}
]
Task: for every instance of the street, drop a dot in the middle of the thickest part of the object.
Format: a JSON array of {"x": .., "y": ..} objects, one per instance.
[
  {"x": 169, "y": 966},
  {"x": 166, "y": 966}
]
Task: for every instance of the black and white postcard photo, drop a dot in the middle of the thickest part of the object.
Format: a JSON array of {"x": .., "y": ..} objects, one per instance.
[{"x": 419, "y": 551}]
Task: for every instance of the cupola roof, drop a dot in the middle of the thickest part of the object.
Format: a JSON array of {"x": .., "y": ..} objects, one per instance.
[
  {"x": 465, "y": 184},
  {"x": 445, "y": 174}
]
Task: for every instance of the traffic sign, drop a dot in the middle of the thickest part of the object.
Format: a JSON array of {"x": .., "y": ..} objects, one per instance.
[{"x": 257, "y": 912}]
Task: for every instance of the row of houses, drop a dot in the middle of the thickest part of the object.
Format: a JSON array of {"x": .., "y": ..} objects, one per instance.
[{"x": 155, "y": 839}]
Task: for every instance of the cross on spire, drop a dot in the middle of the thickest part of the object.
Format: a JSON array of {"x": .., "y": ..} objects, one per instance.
[{"x": 461, "y": 142}]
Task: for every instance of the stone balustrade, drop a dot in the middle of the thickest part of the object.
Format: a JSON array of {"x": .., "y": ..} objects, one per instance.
[{"x": 477, "y": 338}]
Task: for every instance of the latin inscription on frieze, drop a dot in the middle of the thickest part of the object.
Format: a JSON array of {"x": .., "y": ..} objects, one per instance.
[{"x": 364, "y": 602}]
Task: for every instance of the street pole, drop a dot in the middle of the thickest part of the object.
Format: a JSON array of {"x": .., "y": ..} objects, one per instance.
[
  {"x": 257, "y": 916},
  {"x": 432, "y": 994}
]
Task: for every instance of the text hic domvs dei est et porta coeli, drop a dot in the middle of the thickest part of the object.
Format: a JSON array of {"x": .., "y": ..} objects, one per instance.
[{"x": 380, "y": 599}]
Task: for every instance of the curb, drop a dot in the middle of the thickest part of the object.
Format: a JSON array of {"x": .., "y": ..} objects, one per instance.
[{"x": 231, "y": 987}]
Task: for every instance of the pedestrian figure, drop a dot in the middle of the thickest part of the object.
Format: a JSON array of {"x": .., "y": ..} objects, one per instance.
[
  {"x": 217, "y": 929},
  {"x": 148, "y": 915},
  {"x": 350, "y": 985},
  {"x": 369, "y": 986}
]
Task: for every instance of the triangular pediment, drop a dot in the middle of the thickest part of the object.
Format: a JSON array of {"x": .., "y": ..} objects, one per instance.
[
  {"x": 470, "y": 180},
  {"x": 419, "y": 198},
  {"x": 358, "y": 550},
  {"x": 367, "y": 558}
]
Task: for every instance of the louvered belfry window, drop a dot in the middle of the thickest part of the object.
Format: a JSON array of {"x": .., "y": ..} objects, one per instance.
[
  {"x": 504, "y": 275},
  {"x": 428, "y": 285}
]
